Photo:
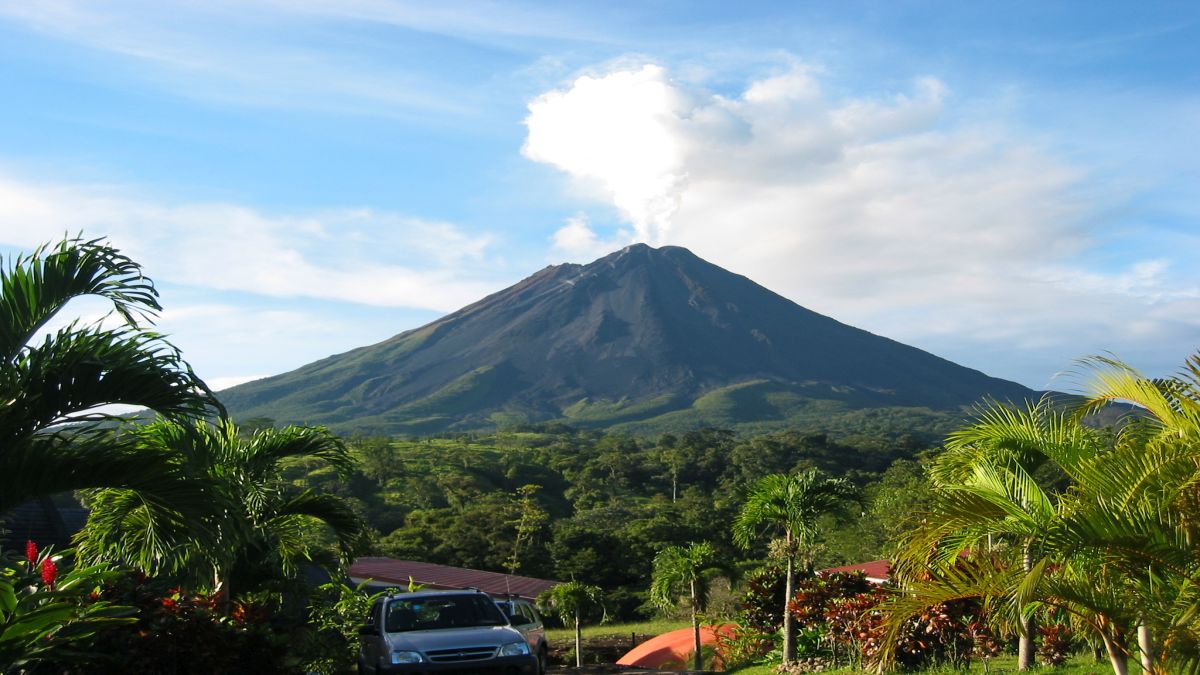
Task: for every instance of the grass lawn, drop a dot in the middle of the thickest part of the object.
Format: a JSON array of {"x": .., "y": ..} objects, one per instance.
[
  {"x": 1079, "y": 665},
  {"x": 644, "y": 630},
  {"x": 605, "y": 643}
]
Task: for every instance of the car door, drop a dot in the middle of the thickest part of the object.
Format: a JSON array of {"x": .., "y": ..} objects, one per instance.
[
  {"x": 532, "y": 627},
  {"x": 370, "y": 641}
]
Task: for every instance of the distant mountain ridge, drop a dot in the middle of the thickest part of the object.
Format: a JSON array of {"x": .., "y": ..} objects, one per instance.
[{"x": 648, "y": 338}]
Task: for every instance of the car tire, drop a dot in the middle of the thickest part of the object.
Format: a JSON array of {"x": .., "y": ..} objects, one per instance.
[{"x": 541, "y": 658}]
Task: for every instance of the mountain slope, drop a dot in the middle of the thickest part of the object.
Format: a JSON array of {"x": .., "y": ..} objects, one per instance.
[{"x": 640, "y": 334}]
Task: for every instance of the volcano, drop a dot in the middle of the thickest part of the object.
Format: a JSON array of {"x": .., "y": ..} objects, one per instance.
[{"x": 646, "y": 338}]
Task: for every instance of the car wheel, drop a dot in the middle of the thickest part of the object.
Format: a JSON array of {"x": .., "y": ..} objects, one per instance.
[{"x": 542, "y": 661}]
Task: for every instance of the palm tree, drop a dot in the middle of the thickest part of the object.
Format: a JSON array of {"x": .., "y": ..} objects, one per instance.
[
  {"x": 570, "y": 601},
  {"x": 55, "y": 381},
  {"x": 1114, "y": 549},
  {"x": 789, "y": 504},
  {"x": 680, "y": 570},
  {"x": 986, "y": 494},
  {"x": 254, "y": 524}
]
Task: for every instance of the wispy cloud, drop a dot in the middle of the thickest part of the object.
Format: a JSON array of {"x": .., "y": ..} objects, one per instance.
[
  {"x": 352, "y": 255},
  {"x": 311, "y": 56}
]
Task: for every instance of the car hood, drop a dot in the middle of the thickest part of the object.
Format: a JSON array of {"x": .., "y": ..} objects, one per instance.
[{"x": 449, "y": 638}]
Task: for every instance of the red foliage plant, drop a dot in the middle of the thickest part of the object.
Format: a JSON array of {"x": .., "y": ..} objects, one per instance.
[
  {"x": 49, "y": 572},
  {"x": 845, "y": 608}
]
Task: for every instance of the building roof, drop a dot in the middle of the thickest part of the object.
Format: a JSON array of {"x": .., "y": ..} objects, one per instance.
[
  {"x": 392, "y": 572},
  {"x": 876, "y": 571}
]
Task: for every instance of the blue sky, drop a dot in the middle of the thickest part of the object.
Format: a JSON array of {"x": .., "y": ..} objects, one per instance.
[{"x": 1008, "y": 185}]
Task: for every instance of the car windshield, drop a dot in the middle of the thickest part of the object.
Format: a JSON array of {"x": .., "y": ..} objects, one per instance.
[{"x": 448, "y": 611}]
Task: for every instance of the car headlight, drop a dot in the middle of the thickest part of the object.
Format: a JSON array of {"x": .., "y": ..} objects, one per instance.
[
  {"x": 406, "y": 657},
  {"x": 514, "y": 649}
]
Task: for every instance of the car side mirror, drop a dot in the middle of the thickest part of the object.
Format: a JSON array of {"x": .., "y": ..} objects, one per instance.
[{"x": 368, "y": 630}]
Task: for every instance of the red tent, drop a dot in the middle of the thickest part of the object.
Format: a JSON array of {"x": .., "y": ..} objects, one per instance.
[{"x": 671, "y": 651}]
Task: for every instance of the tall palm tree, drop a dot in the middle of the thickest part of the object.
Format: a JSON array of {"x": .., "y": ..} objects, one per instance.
[
  {"x": 54, "y": 382},
  {"x": 255, "y": 520},
  {"x": 570, "y": 601},
  {"x": 986, "y": 494},
  {"x": 790, "y": 505},
  {"x": 1115, "y": 550},
  {"x": 680, "y": 570}
]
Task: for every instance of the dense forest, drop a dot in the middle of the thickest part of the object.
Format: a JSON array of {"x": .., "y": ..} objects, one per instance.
[{"x": 555, "y": 502}]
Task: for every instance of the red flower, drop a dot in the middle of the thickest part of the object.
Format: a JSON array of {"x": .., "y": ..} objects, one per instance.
[
  {"x": 31, "y": 551},
  {"x": 169, "y": 603},
  {"x": 49, "y": 572}
]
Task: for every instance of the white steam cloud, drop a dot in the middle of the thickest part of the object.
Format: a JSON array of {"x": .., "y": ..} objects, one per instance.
[
  {"x": 962, "y": 237},
  {"x": 619, "y": 133}
]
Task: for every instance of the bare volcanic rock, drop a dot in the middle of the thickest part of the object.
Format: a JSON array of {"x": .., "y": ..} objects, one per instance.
[{"x": 643, "y": 336}]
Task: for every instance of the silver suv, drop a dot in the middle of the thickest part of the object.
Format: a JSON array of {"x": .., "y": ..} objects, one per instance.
[
  {"x": 525, "y": 618},
  {"x": 442, "y": 632}
]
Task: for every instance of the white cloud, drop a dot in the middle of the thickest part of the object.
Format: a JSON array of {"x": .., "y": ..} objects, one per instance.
[
  {"x": 578, "y": 242},
  {"x": 230, "y": 344},
  {"x": 358, "y": 256},
  {"x": 616, "y": 131},
  {"x": 963, "y": 238}
]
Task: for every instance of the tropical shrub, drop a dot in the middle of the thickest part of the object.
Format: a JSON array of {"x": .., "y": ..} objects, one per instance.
[
  {"x": 336, "y": 611},
  {"x": 763, "y": 600},
  {"x": 1056, "y": 644},
  {"x": 180, "y": 632},
  {"x": 49, "y": 610}
]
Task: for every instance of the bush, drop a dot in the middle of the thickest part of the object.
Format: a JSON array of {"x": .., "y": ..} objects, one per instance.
[
  {"x": 336, "y": 612},
  {"x": 50, "y": 613},
  {"x": 1056, "y": 644},
  {"x": 180, "y": 632}
]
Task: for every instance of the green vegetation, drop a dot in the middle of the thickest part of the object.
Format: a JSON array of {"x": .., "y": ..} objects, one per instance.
[
  {"x": 685, "y": 571},
  {"x": 561, "y": 503},
  {"x": 49, "y": 438},
  {"x": 187, "y": 499},
  {"x": 624, "y": 630},
  {"x": 1047, "y": 527},
  {"x": 791, "y": 504},
  {"x": 571, "y": 602},
  {"x": 250, "y": 532},
  {"x": 1059, "y": 524}
]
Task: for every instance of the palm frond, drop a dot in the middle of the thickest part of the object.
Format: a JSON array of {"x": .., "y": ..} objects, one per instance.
[
  {"x": 328, "y": 510},
  {"x": 264, "y": 451},
  {"x": 34, "y": 287},
  {"x": 75, "y": 370},
  {"x": 49, "y": 464}
]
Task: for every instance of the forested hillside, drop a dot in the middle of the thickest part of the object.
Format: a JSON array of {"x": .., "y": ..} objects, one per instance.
[{"x": 562, "y": 503}]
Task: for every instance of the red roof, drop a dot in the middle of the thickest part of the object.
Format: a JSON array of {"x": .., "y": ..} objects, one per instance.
[
  {"x": 876, "y": 570},
  {"x": 385, "y": 571}
]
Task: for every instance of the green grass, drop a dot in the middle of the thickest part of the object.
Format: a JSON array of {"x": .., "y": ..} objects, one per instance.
[
  {"x": 1005, "y": 665},
  {"x": 642, "y": 628}
]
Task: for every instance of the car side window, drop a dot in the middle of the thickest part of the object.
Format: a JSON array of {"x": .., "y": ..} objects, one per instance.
[
  {"x": 530, "y": 615},
  {"x": 372, "y": 619}
]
